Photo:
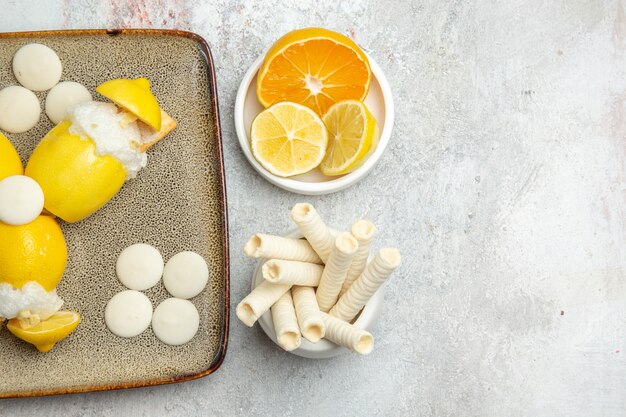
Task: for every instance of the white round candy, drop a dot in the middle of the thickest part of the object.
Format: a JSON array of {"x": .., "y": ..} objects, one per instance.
[
  {"x": 63, "y": 96},
  {"x": 128, "y": 313},
  {"x": 21, "y": 200},
  {"x": 19, "y": 109},
  {"x": 139, "y": 266},
  {"x": 175, "y": 321},
  {"x": 37, "y": 67},
  {"x": 185, "y": 275}
]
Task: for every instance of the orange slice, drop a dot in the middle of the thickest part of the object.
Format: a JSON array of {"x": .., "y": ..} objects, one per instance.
[{"x": 314, "y": 67}]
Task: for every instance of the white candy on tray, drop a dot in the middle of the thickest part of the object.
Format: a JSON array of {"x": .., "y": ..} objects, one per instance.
[{"x": 21, "y": 200}]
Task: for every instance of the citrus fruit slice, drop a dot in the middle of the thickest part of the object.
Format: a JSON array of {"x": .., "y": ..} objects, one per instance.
[
  {"x": 10, "y": 163},
  {"x": 353, "y": 133},
  {"x": 134, "y": 96},
  {"x": 288, "y": 139},
  {"x": 48, "y": 332},
  {"x": 314, "y": 67},
  {"x": 32, "y": 252}
]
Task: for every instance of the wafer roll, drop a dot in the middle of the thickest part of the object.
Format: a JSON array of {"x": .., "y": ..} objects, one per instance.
[
  {"x": 278, "y": 271},
  {"x": 286, "y": 323},
  {"x": 308, "y": 312},
  {"x": 313, "y": 228},
  {"x": 347, "y": 335},
  {"x": 335, "y": 270},
  {"x": 269, "y": 246},
  {"x": 363, "y": 231},
  {"x": 374, "y": 275},
  {"x": 259, "y": 301}
]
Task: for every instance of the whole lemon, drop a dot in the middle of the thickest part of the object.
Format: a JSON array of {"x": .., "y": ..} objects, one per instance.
[{"x": 32, "y": 252}]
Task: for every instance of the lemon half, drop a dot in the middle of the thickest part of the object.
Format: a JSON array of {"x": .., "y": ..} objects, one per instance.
[
  {"x": 48, "y": 332},
  {"x": 353, "y": 135},
  {"x": 288, "y": 139}
]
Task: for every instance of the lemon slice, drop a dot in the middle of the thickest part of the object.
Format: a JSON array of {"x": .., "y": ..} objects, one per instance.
[
  {"x": 353, "y": 135},
  {"x": 48, "y": 332},
  {"x": 288, "y": 139},
  {"x": 136, "y": 97}
]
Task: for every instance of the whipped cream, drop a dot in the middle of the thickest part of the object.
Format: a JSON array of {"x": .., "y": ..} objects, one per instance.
[
  {"x": 115, "y": 132},
  {"x": 31, "y": 296}
]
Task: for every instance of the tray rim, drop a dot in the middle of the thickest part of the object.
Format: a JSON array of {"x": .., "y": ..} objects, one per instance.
[{"x": 221, "y": 352}]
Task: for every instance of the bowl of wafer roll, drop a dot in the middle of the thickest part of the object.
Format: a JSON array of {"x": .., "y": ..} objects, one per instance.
[{"x": 317, "y": 292}]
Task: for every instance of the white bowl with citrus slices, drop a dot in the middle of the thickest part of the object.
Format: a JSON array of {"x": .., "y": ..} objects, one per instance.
[{"x": 315, "y": 113}]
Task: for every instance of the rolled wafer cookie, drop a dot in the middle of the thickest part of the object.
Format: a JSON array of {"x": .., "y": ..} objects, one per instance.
[
  {"x": 347, "y": 335},
  {"x": 259, "y": 301},
  {"x": 335, "y": 270},
  {"x": 278, "y": 271},
  {"x": 373, "y": 276},
  {"x": 269, "y": 246},
  {"x": 363, "y": 231},
  {"x": 308, "y": 313},
  {"x": 313, "y": 228},
  {"x": 286, "y": 323}
]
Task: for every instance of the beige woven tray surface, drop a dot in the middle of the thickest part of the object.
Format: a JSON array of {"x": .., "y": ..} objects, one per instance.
[{"x": 176, "y": 203}]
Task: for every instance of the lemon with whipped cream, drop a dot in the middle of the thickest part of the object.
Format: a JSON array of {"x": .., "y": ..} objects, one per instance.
[
  {"x": 84, "y": 161},
  {"x": 33, "y": 257}
]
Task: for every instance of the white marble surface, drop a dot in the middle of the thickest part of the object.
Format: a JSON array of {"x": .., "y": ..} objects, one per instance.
[{"x": 504, "y": 187}]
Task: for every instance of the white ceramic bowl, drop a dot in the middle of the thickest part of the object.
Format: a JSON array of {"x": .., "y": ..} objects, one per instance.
[
  {"x": 324, "y": 348},
  {"x": 379, "y": 101}
]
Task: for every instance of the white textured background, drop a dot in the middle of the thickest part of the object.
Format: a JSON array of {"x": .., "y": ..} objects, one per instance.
[{"x": 504, "y": 187}]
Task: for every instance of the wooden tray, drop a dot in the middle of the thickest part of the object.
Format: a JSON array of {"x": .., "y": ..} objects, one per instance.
[{"x": 176, "y": 203}]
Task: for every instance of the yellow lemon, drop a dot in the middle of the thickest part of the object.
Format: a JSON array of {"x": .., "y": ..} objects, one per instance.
[
  {"x": 10, "y": 163},
  {"x": 353, "y": 135},
  {"x": 48, "y": 332},
  {"x": 288, "y": 139},
  {"x": 75, "y": 180},
  {"x": 136, "y": 97},
  {"x": 32, "y": 252}
]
